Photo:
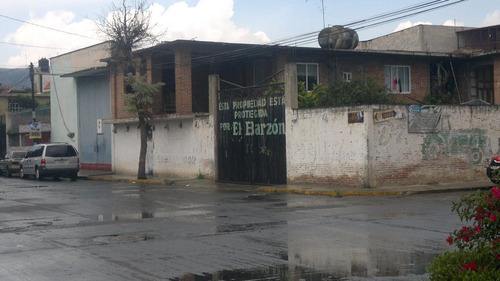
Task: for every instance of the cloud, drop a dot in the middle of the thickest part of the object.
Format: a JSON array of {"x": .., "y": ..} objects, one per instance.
[
  {"x": 53, "y": 42},
  {"x": 408, "y": 24},
  {"x": 453, "y": 23},
  {"x": 492, "y": 19},
  {"x": 208, "y": 20}
]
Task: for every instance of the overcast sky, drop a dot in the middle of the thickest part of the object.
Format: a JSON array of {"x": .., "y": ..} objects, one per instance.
[{"x": 250, "y": 21}]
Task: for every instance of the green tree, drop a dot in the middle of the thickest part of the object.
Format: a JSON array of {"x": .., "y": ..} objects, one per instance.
[
  {"x": 139, "y": 98},
  {"x": 129, "y": 27}
]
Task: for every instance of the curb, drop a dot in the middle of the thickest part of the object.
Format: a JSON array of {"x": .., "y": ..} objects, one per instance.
[
  {"x": 332, "y": 193},
  {"x": 97, "y": 178}
]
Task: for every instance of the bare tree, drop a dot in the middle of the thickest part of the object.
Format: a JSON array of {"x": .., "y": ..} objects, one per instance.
[{"x": 129, "y": 27}]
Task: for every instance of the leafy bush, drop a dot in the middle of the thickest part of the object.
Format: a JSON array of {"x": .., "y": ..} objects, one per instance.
[
  {"x": 477, "y": 256},
  {"x": 309, "y": 99},
  {"x": 358, "y": 91}
]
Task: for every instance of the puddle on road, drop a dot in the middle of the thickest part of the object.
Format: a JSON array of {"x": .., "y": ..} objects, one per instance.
[
  {"x": 122, "y": 216},
  {"x": 29, "y": 186},
  {"x": 378, "y": 264},
  {"x": 285, "y": 272},
  {"x": 118, "y": 238}
]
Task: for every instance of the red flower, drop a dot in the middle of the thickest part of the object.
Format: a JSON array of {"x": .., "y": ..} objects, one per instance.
[
  {"x": 477, "y": 229},
  {"x": 493, "y": 217},
  {"x": 470, "y": 266},
  {"x": 449, "y": 240},
  {"x": 496, "y": 192}
]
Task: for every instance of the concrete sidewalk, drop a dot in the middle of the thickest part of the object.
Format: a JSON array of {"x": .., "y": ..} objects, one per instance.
[{"x": 306, "y": 189}]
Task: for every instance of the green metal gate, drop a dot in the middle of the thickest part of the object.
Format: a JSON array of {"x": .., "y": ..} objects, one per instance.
[{"x": 251, "y": 135}]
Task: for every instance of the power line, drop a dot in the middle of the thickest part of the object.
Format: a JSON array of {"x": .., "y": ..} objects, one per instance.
[
  {"x": 46, "y": 27},
  {"x": 310, "y": 37},
  {"x": 32, "y": 46}
]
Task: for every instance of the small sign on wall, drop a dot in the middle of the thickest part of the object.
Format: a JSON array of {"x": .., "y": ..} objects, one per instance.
[
  {"x": 355, "y": 117},
  {"x": 35, "y": 130},
  {"x": 99, "y": 126}
]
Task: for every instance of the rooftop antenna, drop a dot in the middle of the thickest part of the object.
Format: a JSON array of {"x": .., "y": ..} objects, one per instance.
[{"x": 323, "y": 9}]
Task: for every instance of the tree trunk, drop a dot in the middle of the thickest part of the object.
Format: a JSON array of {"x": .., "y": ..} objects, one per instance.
[{"x": 141, "y": 173}]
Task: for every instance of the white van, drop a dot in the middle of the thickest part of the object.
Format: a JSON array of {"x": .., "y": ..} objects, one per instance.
[{"x": 55, "y": 159}]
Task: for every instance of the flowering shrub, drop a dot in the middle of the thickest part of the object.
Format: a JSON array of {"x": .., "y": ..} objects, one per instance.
[{"x": 477, "y": 256}]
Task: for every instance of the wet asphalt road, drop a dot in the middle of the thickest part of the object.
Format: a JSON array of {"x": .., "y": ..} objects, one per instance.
[{"x": 92, "y": 230}]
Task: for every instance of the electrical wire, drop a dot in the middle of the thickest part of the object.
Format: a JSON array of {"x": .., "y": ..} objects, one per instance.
[
  {"x": 33, "y": 46},
  {"x": 53, "y": 83},
  {"x": 299, "y": 40},
  {"x": 310, "y": 37},
  {"x": 46, "y": 27}
]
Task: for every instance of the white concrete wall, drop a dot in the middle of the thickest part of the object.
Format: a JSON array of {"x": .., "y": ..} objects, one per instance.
[
  {"x": 126, "y": 146},
  {"x": 467, "y": 137},
  {"x": 181, "y": 148},
  {"x": 63, "y": 100},
  {"x": 323, "y": 147}
]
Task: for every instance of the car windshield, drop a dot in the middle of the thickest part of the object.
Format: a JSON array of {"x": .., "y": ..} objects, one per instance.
[
  {"x": 18, "y": 154},
  {"x": 60, "y": 151}
]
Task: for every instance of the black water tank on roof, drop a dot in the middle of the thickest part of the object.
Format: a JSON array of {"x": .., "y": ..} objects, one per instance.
[
  {"x": 338, "y": 37},
  {"x": 43, "y": 63}
]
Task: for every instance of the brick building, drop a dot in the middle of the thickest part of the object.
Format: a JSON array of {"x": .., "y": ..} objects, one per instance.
[{"x": 187, "y": 129}]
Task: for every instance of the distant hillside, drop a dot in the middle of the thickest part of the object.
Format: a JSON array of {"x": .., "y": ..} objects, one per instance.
[{"x": 18, "y": 78}]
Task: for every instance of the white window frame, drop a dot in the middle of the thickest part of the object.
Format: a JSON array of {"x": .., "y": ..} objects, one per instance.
[
  {"x": 389, "y": 70},
  {"x": 347, "y": 76},
  {"x": 307, "y": 74}
]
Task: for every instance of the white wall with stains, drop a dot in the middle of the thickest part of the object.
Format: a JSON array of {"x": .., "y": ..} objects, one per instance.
[
  {"x": 323, "y": 147},
  {"x": 182, "y": 148}
]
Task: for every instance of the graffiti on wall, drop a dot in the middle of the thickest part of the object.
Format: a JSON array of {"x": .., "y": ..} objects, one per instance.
[{"x": 453, "y": 143}]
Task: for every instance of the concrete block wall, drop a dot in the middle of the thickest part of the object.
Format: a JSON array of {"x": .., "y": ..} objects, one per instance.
[
  {"x": 126, "y": 146},
  {"x": 180, "y": 148},
  {"x": 467, "y": 137},
  {"x": 185, "y": 147},
  {"x": 322, "y": 147}
]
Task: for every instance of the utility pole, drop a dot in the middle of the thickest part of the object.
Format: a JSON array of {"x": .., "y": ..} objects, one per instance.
[
  {"x": 32, "y": 78},
  {"x": 33, "y": 111}
]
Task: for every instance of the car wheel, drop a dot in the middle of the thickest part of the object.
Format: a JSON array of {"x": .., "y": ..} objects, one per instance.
[
  {"x": 37, "y": 174},
  {"x": 21, "y": 172},
  {"x": 494, "y": 176}
]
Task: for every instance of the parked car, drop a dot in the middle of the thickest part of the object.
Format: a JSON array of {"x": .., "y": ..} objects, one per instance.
[
  {"x": 10, "y": 164},
  {"x": 493, "y": 169},
  {"x": 55, "y": 159}
]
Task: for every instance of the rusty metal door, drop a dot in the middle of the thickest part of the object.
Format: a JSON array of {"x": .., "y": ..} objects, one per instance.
[{"x": 251, "y": 135}]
